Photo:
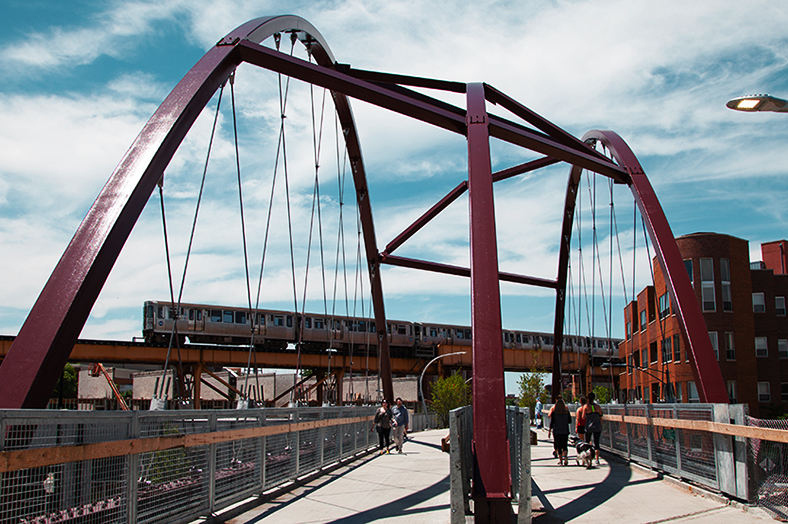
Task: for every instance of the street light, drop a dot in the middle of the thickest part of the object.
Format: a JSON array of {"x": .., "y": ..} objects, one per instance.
[
  {"x": 752, "y": 103},
  {"x": 421, "y": 392},
  {"x": 665, "y": 385}
]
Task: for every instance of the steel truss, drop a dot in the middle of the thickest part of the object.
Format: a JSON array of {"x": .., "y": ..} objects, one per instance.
[{"x": 36, "y": 359}]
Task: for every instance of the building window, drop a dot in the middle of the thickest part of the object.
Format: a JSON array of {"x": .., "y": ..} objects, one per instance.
[
  {"x": 677, "y": 348},
  {"x": 692, "y": 392},
  {"x": 667, "y": 351},
  {"x": 707, "y": 284},
  {"x": 779, "y": 306},
  {"x": 629, "y": 330},
  {"x": 782, "y": 348},
  {"x": 758, "y": 303},
  {"x": 761, "y": 348},
  {"x": 688, "y": 267},
  {"x": 784, "y": 391},
  {"x": 725, "y": 280},
  {"x": 714, "y": 344},
  {"x": 664, "y": 306},
  {"x": 763, "y": 392},
  {"x": 653, "y": 352},
  {"x": 646, "y": 394},
  {"x": 730, "y": 348},
  {"x": 678, "y": 391},
  {"x": 732, "y": 391},
  {"x": 643, "y": 320}
]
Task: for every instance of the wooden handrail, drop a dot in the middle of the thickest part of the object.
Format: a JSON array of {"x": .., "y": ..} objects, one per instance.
[
  {"x": 773, "y": 435},
  {"x": 48, "y": 456}
]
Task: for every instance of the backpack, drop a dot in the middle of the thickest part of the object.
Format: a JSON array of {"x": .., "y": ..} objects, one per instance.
[{"x": 593, "y": 419}]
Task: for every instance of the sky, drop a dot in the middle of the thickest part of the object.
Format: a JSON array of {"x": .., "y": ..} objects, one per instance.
[{"x": 79, "y": 79}]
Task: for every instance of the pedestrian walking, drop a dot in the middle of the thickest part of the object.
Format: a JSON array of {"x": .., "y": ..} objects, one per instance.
[
  {"x": 382, "y": 423},
  {"x": 401, "y": 419},
  {"x": 593, "y": 414},
  {"x": 560, "y": 420},
  {"x": 580, "y": 420},
  {"x": 538, "y": 414}
]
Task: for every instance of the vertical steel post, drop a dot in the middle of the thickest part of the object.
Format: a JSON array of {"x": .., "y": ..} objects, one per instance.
[{"x": 492, "y": 489}]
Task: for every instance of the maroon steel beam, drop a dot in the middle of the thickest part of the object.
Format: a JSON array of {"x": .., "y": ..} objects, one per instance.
[
  {"x": 455, "y": 193},
  {"x": 424, "y": 219},
  {"x": 447, "y": 269},
  {"x": 424, "y": 108},
  {"x": 405, "y": 80},
  {"x": 711, "y": 387},
  {"x": 492, "y": 488},
  {"x": 36, "y": 358}
]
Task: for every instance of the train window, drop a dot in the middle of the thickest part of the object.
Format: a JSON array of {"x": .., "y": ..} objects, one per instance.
[
  {"x": 459, "y": 333},
  {"x": 160, "y": 312},
  {"x": 279, "y": 320},
  {"x": 227, "y": 317},
  {"x": 372, "y": 327},
  {"x": 548, "y": 341},
  {"x": 199, "y": 315},
  {"x": 388, "y": 329},
  {"x": 308, "y": 322},
  {"x": 191, "y": 314},
  {"x": 401, "y": 329},
  {"x": 362, "y": 326},
  {"x": 433, "y": 332},
  {"x": 337, "y": 325},
  {"x": 289, "y": 320},
  {"x": 518, "y": 338},
  {"x": 319, "y": 323},
  {"x": 240, "y": 317},
  {"x": 468, "y": 334},
  {"x": 216, "y": 315}
]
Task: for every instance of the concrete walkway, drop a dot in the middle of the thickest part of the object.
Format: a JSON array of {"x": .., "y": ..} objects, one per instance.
[
  {"x": 410, "y": 487},
  {"x": 414, "y": 487},
  {"x": 616, "y": 492}
]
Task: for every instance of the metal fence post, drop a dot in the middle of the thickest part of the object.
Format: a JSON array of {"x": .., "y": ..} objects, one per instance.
[
  {"x": 459, "y": 497},
  {"x": 723, "y": 451},
  {"x": 738, "y": 414},
  {"x": 649, "y": 438},
  {"x": 263, "y": 454},
  {"x": 524, "y": 515},
  {"x": 133, "y": 473},
  {"x": 679, "y": 436},
  {"x": 212, "y": 467}
]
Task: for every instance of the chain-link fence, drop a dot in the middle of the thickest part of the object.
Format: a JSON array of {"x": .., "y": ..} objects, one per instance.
[
  {"x": 770, "y": 469},
  {"x": 162, "y": 466},
  {"x": 675, "y": 439}
]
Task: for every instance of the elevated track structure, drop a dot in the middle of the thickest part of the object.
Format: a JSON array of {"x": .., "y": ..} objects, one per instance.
[{"x": 47, "y": 338}]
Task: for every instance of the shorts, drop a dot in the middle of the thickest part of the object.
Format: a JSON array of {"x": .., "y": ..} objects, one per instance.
[{"x": 581, "y": 429}]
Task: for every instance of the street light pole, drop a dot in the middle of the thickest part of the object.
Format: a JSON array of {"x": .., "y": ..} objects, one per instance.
[{"x": 421, "y": 392}]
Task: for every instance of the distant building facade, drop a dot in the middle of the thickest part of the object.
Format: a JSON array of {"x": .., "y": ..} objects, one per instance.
[{"x": 744, "y": 308}]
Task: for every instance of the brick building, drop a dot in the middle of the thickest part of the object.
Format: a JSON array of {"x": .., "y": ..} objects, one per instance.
[{"x": 744, "y": 308}]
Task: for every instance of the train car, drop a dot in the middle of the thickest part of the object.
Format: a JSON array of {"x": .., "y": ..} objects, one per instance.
[{"x": 275, "y": 330}]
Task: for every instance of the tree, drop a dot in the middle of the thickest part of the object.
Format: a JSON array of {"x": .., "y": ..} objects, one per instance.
[
  {"x": 69, "y": 383},
  {"x": 602, "y": 394},
  {"x": 532, "y": 389},
  {"x": 448, "y": 394}
]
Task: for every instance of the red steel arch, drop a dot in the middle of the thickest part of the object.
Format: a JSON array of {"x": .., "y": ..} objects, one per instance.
[
  {"x": 34, "y": 362},
  {"x": 711, "y": 387}
]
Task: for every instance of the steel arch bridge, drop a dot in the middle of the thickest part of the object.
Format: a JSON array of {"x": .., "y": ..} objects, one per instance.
[{"x": 41, "y": 349}]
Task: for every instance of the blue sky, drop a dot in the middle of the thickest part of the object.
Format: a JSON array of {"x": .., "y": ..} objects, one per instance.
[{"x": 79, "y": 79}]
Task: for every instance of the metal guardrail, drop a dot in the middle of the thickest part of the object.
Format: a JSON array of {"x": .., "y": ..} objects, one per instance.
[
  {"x": 696, "y": 442},
  {"x": 422, "y": 421},
  {"x": 162, "y": 466},
  {"x": 518, "y": 424}
]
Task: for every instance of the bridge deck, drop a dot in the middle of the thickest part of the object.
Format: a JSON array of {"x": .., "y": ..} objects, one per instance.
[{"x": 414, "y": 487}]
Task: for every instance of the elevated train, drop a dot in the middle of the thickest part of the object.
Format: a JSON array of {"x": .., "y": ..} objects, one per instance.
[{"x": 275, "y": 330}]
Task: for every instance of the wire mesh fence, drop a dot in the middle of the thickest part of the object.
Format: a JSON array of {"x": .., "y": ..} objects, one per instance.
[
  {"x": 770, "y": 469},
  {"x": 162, "y": 482}
]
